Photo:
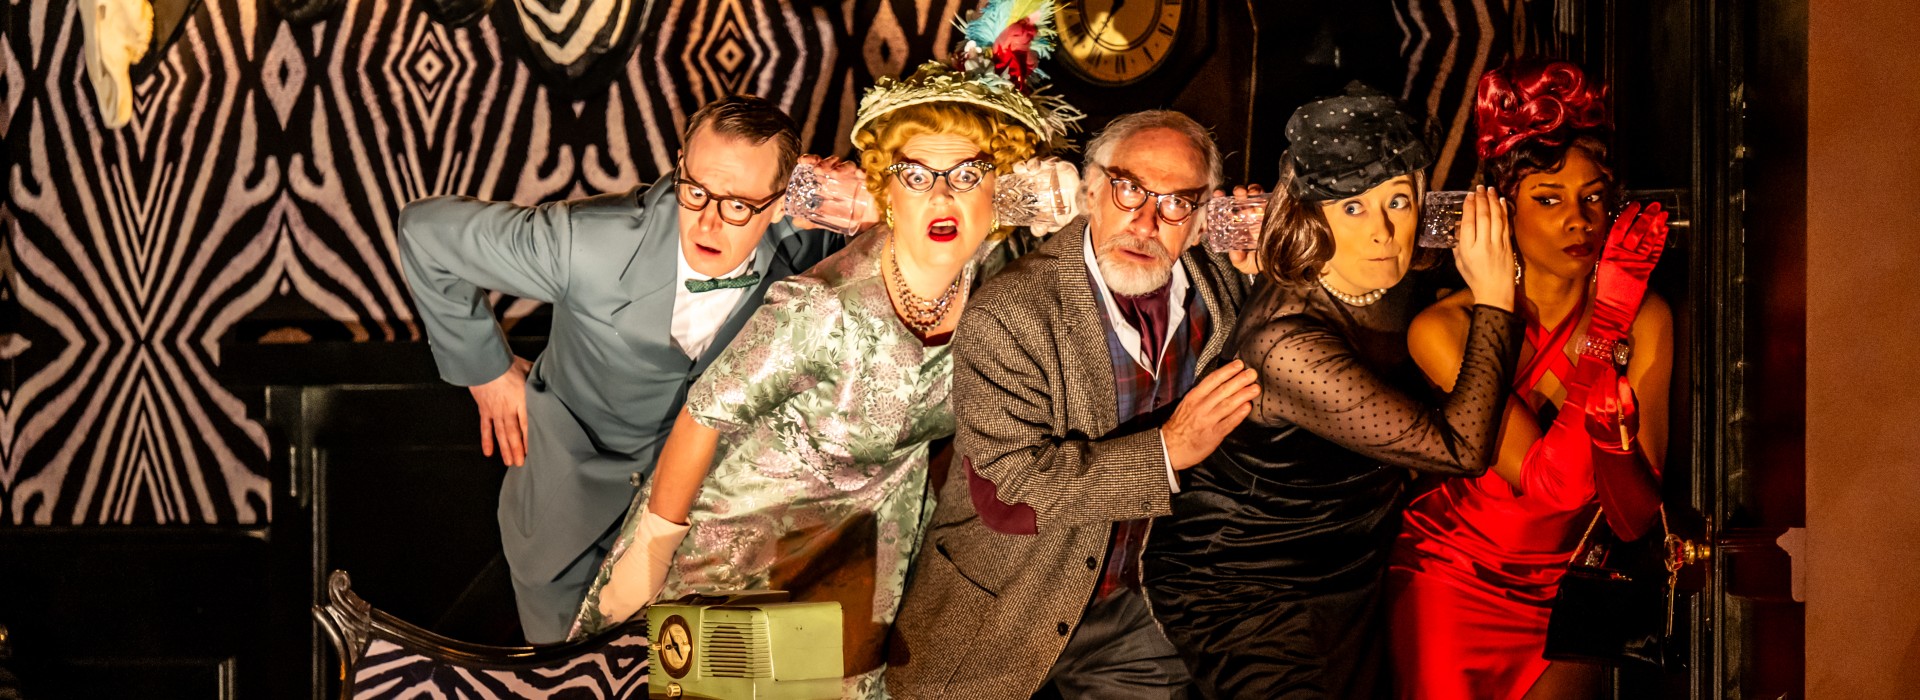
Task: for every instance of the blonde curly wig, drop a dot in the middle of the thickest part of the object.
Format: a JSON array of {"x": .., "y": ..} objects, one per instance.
[{"x": 1004, "y": 140}]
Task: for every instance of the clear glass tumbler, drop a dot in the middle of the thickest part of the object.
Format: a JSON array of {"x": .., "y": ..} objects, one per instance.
[
  {"x": 1440, "y": 219},
  {"x": 1038, "y": 194},
  {"x": 1233, "y": 223},
  {"x": 833, "y": 200}
]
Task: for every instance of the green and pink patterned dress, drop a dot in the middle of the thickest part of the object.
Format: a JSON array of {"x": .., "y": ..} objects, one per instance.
[{"x": 825, "y": 403}]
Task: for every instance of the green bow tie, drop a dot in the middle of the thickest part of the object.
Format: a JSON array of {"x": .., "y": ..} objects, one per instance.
[{"x": 741, "y": 282}]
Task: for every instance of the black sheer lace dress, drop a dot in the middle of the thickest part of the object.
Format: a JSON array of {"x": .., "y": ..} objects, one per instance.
[{"x": 1267, "y": 572}]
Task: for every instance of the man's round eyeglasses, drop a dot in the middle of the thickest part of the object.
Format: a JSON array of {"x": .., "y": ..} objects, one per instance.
[
  {"x": 960, "y": 178},
  {"x": 1171, "y": 208},
  {"x": 733, "y": 210}
]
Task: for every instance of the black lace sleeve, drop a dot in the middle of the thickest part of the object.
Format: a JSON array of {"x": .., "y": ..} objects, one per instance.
[{"x": 1311, "y": 376}]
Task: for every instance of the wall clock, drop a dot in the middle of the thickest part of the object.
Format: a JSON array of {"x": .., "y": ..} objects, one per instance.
[{"x": 1118, "y": 42}]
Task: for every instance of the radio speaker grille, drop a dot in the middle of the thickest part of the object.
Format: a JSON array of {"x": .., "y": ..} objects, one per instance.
[{"x": 735, "y": 649}]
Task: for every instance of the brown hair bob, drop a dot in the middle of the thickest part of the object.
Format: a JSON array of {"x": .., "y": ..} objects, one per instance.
[{"x": 1295, "y": 239}]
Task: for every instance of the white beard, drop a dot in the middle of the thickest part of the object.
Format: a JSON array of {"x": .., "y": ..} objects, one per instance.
[{"x": 1132, "y": 279}]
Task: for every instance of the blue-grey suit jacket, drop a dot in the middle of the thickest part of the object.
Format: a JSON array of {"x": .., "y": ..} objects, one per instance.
[{"x": 603, "y": 396}]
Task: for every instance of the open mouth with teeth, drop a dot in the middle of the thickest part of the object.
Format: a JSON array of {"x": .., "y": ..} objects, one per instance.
[{"x": 943, "y": 229}]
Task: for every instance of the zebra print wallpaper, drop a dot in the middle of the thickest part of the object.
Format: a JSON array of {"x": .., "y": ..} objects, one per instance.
[{"x": 266, "y": 161}]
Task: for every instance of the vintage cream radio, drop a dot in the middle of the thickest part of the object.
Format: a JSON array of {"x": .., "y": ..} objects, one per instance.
[{"x": 744, "y": 645}]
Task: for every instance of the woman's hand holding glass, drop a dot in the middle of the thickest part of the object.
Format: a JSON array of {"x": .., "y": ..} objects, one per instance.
[{"x": 1484, "y": 254}]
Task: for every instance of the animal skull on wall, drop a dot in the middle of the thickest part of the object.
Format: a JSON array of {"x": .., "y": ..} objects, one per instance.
[
  {"x": 576, "y": 45},
  {"x": 564, "y": 33},
  {"x": 117, "y": 34}
]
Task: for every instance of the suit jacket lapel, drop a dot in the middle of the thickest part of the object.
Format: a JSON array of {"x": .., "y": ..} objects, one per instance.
[
  {"x": 1222, "y": 307},
  {"x": 646, "y": 321},
  {"x": 1090, "y": 365}
]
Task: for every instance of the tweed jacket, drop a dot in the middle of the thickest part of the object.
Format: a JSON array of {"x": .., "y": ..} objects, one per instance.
[{"x": 987, "y": 612}]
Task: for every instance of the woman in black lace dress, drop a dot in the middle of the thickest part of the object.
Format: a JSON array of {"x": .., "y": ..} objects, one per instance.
[{"x": 1267, "y": 573}]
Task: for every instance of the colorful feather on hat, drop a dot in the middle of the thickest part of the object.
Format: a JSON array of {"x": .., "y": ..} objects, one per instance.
[
  {"x": 1014, "y": 35},
  {"x": 996, "y": 66}
]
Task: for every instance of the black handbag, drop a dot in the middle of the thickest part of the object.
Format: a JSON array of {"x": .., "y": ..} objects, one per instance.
[{"x": 1615, "y": 603}]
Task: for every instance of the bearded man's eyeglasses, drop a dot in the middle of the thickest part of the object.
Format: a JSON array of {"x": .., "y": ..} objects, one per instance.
[{"x": 1129, "y": 196}]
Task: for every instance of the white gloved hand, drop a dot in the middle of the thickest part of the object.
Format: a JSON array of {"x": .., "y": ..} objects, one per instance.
[{"x": 641, "y": 572}]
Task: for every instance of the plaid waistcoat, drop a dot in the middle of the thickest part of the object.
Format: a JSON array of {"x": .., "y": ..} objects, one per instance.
[{"x": 1145, "y": 401}]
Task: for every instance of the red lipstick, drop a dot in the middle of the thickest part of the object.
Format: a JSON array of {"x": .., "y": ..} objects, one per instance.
[{"x": 943, "y": 229}]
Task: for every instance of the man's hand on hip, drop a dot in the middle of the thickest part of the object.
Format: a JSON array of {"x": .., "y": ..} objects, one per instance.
[
  {"x": 503, "y": 413},
  {"x": 1206, "y": 414}
]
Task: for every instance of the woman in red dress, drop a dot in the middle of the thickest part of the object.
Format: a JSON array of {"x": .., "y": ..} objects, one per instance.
[{"x": 1475, "y": 568}]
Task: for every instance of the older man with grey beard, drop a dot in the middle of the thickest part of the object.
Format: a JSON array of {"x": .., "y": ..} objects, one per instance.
[{"x": 1081, "y": 387}]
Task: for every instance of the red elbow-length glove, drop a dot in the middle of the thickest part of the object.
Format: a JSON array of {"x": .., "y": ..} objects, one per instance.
[{"x": 1584, "y": 445}]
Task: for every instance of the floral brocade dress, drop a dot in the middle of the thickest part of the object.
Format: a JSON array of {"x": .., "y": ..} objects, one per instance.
[{"x": 825, "y": 403}]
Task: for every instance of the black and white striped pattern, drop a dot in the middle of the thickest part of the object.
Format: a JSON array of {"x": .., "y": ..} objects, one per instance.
[
  {"x": 392, "y": 671},
  {"x": 1447, "y": 44},
  {"x": 266, "y": 162}
]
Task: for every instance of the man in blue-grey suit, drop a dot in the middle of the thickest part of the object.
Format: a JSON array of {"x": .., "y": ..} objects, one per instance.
[{"x": 647, "y": 287}]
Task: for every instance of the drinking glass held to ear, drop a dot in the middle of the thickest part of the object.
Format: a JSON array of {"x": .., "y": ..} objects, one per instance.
[
  {"x": 1041, "y": 194},
  {"x": 1440, "y": 218},
  {"x": 833, "y": 199},
  {"x": 1233, "y": 223}
]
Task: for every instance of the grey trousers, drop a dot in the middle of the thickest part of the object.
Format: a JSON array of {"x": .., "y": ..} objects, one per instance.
[
  {"x": 1117, "y": 652},
  {"x": 547, "y": 608}
]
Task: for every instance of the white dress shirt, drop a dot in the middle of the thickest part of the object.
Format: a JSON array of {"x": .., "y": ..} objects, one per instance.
[
  {"x": 1130, "y": 336},
  {"x": 697, "y": 317}
]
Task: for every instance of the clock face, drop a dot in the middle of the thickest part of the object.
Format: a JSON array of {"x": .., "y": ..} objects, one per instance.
[
  {"x": 1115, "y": 42},
  {"x": 676, "y": 646}
]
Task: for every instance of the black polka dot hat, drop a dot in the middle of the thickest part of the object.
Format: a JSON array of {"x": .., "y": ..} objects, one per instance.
[{"x": 1343, "y": 146}]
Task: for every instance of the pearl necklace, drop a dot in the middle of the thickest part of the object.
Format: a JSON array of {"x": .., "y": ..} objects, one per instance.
[
  {"x": 921, "y": 315},
  {"x": 1352, "y": 300}
]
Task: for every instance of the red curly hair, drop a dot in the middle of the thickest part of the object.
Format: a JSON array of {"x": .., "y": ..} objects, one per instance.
[
  {"x": 1529, "y": 112},
  {"x": 1537, "y": 100}
]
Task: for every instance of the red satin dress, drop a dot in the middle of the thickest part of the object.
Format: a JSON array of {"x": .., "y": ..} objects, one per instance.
[{"x": 1474, "y": 570}]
